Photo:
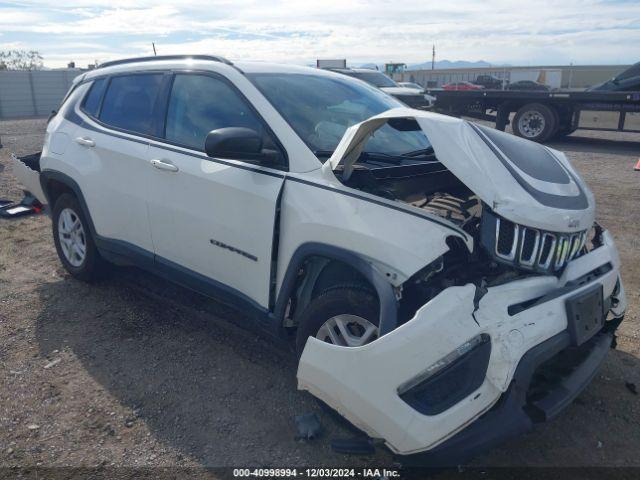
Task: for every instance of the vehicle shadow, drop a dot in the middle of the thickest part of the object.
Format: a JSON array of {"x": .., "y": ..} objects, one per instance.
[
  {"x": 224, "y": 395},
  {"x": 227, "y": 396}
]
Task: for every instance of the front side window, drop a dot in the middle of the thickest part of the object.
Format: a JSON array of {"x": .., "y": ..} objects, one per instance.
[
  {"x": 130, "y": 100},
  {"x": 201, "y": 103}
]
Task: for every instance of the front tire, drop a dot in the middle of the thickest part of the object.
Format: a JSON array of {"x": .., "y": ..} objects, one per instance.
[
  {"x": 73, "y": 240},
  {"x": 345, "y": 315}
]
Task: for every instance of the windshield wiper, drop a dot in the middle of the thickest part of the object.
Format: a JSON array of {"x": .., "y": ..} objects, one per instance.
[
  {"x": 323, "y": 153},
  {"x": 418, "y": 153},
  {"x": 381, "y": 157}
]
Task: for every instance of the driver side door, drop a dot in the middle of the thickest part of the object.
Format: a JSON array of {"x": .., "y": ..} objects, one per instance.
[{"x": 212, "y": 219}]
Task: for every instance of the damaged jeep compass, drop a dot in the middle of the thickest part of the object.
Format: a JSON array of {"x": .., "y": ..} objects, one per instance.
[{"x": 445, "y": 284}]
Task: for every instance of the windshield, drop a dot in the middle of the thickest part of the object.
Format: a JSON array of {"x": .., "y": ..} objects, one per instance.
[
  {"x": 374, "y": 78},
  {"x": 321, "y": 108}
]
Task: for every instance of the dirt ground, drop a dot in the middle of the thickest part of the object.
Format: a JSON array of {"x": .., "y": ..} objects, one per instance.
[{"x": 136, "y": 372}]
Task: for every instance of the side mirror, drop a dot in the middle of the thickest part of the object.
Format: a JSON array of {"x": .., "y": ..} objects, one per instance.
[{"x": 234, "y": 142}]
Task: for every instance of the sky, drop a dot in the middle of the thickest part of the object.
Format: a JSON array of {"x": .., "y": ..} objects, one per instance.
[{"x": 517, "y": 32}]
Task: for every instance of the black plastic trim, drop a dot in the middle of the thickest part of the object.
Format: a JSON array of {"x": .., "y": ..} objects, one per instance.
[
  {"x": 511, "y": 416},
  {"x": 453, "y": 383},
  {"x": 386, "y": 296}
]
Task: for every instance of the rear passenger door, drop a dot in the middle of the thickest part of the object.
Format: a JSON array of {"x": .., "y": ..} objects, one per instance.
[
  {"x": 212, "y": 219},
  {"x": 113, "y": 160}
]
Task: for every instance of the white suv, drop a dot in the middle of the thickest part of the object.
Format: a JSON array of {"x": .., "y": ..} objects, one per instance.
[{"x": 444, "y": 283}]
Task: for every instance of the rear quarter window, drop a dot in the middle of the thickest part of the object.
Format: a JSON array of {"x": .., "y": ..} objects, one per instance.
[
  {"x": 91, "y": 102},
  {"x": 130, "y": 100}
]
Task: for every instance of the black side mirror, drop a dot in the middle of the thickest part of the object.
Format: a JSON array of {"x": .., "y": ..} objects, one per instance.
[{"x": 234, "y": 142}]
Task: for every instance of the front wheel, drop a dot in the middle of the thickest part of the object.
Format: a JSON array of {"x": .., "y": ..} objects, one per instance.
[
  {"x": 345, "y": 315},
  {"x": 74, "y": 243}
]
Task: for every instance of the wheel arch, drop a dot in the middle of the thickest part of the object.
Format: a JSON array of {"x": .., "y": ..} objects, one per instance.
[
  {"x": 326, "y": 256},
  {"x": 55, "y": 183}
]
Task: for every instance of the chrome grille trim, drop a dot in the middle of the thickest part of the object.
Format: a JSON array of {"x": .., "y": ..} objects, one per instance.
[
  {"x": 562, "y": 251},
  {"x": 534, "y": 251},
  {"x": 514, "y": 246},
  {"x": 546, "y": 262}
]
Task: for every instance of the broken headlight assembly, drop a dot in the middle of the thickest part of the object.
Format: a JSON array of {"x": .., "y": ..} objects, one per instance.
[
  {"x": 450, "y": 379},
  {"x": 529, "y": 248}
]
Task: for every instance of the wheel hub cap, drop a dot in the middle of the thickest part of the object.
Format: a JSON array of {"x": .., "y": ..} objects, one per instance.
[
  {"x": 73, "y": 241},
  {"x": 347, "y": 331},
  {"x": 531, "y": 124}
]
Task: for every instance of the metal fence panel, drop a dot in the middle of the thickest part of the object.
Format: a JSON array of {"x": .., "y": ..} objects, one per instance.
[{"x": 25, "y": 94}]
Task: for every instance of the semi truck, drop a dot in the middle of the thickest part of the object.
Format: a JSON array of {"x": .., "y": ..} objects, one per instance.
[{"x": 541, "y": 116}]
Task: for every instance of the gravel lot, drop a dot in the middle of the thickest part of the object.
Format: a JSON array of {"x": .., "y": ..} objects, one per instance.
[{"x": 138, "y": 372}]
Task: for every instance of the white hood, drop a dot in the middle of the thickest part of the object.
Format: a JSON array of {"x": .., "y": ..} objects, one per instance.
[{"x": 522, "y": 181}]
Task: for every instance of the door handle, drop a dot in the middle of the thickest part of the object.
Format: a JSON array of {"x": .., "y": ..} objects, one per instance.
[
  {"x": 164, "y": 165},
  {"x": 85, "y": 142}
]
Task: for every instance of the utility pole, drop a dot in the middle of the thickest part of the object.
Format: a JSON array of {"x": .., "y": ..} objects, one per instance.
[
  {"x": 433, "y": 57},
  {"x": 154, "y": 48}
]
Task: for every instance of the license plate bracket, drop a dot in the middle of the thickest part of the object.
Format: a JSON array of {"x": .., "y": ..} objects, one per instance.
[{"x": 585, "y": 314}]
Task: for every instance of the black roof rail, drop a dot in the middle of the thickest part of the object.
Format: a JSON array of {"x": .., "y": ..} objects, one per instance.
[{"x": 165, "y": 57}]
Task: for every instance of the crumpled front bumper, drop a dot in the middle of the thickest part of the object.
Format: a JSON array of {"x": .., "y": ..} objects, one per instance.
[{"x": 362, "y": 383}]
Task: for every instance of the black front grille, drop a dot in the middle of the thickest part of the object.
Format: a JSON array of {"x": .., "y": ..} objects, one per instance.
[
  {"x": 506, "y": 239},
  {"x": 527, "y": 247}
]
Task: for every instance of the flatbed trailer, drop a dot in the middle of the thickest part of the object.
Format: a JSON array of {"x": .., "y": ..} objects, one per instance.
[{"x": 539, "y": 116}]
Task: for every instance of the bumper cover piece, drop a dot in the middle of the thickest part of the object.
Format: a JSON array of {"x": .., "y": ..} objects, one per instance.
[{"x": 525, "y": 403}]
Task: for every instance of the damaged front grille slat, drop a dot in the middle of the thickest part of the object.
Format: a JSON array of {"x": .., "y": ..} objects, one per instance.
[{"x": 532, "y": 248}]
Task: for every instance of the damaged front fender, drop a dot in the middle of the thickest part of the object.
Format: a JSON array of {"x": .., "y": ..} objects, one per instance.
[{"x": 367, "y": 384}]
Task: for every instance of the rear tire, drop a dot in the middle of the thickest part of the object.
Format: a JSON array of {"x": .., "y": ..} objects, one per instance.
[
  {"x": 73, "y": 240},
  {"x": 535, "y": 122},
  {"x": 345, "y": 313}
]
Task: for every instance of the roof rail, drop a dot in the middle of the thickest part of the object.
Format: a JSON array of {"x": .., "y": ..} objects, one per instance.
[{"x": 164, "y": 57}]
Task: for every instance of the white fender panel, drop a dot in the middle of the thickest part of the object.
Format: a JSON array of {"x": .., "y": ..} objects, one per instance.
[{"x": 397, "y": 243}]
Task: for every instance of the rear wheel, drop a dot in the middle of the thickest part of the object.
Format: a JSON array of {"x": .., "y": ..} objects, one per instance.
[
  {"x": 535, "y": 122},
  {"x": 73, "y": 240},
  {"x": 345, "y": 315}
]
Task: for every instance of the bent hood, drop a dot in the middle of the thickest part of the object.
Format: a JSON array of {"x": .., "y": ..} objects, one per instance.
[{"x": 520, "y": 180}]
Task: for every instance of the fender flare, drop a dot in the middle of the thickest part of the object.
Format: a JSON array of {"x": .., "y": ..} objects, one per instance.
[
  {"x": 384, "y": 289},
  {"x": 47, "y": 175}
]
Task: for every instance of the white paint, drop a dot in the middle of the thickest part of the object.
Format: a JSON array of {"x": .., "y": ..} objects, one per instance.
[{"x": 361, "y": 383}]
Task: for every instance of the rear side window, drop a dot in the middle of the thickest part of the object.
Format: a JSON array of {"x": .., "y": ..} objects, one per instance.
[
  {"x": 92, "y": 100},
  {"x": 201, "y": 103},
  {"x": 130, "y": 100}
]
